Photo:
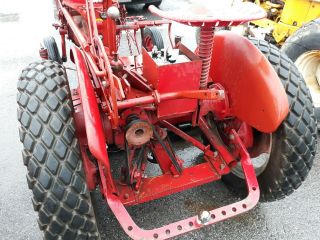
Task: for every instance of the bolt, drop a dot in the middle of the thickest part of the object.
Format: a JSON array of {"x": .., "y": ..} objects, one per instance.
[
  {"x": 150, "y": 156},
  {"x": 104, "y": 84},
  {"x": 221, "y": 93},
  {"x": 222, "y": 166},
  {"x": 215, "y": 154},
  {"x": 204, "y": 217},
  {"x": 231, "y": 137}
]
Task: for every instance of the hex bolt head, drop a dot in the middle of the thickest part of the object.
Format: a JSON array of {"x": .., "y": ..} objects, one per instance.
[
  {"x": 104, "y": 84},
  {"x": 221, "y": 93},
  {"x": 231, "y": 137},
  {"x": 204, "y": 217}
]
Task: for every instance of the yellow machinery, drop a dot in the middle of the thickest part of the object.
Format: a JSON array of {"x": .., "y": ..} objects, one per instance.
[
  {"x": 295, "y": 26},
  {"x": 287, "y": 16}
]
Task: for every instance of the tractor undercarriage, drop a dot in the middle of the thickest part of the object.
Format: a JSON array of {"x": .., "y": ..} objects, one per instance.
[
  {"x": 234, "y": 100},
  {"x": 151, "y": 106},
  {"x": 145, "y": 138}
]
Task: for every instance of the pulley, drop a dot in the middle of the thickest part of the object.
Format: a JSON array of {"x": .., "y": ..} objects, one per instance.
[{"x": 138, "y": 132}]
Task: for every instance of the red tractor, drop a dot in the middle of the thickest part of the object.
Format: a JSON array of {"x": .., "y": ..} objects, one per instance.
[{"x": 246, "y": 100}]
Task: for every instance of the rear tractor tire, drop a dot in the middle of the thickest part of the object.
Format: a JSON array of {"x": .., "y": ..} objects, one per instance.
[
  {"x": 303, "y": 48},
  {"x": 293, "y": 145},
  {"x": 51, "y": 154}
]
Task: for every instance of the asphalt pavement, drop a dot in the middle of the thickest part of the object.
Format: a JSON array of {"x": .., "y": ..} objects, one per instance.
[{"x": 22, "y": 26}]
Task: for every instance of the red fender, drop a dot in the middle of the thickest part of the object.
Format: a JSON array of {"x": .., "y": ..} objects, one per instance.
[
  {"x": 93, "y": 124},
  {"x": 255, "y": 92}
]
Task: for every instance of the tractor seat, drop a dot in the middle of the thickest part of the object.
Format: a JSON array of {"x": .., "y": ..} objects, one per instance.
[{"x": 219, "y": 15}]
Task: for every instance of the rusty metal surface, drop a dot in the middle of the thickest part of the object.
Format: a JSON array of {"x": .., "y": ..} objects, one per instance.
[{"x": 139, "y": 133}]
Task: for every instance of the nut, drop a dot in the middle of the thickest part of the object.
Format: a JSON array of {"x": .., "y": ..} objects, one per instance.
[
  {"x": 104, "y": 84},
  {"x": 204, "y": 217}
]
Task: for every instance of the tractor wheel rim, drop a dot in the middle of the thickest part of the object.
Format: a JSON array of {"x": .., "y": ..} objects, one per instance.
[
  {"x": 309, "y": 66},
  {"x": 259, "y": 162},
  {"x": 148, "y": 43}
]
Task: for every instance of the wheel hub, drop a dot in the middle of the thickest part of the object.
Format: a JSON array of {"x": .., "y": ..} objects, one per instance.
[{"x": 260, "y": 155}]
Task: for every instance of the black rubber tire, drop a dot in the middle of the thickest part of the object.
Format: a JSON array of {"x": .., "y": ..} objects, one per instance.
[
  {"x": 155, "y": 36},
  {"x": 294, "y": 143},
  {"x": 51, "y": 153},
  {"x": 155, "y": 3},
  {"x": 305, "y": 39},
  {"x": 53, "y": 53}
]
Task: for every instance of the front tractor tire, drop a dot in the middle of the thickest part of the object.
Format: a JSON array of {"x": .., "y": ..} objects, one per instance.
[
  {"x": 51, "y": 154},
  {"x": 293, "y": 144},
  {"x": 50, "y": 44}
]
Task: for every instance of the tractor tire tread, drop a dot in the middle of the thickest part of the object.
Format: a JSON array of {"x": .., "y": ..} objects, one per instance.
[
  {"x": 55, "y": 173},
  {"x": 303, "y": 40},
  {"x": 298, "y": 131},
  {"x": 52, "y": 48},
  {"x": 295, "y": 138},
  {"x": 155, "y": 35}
]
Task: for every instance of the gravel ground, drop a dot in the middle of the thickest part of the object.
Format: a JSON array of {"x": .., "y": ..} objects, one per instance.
[{"x": 22, "y": 27}]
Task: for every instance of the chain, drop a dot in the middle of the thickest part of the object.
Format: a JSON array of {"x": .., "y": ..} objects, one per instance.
[
  {"x": 129, "y": 42},
  {"x": 123, "y": 16}
]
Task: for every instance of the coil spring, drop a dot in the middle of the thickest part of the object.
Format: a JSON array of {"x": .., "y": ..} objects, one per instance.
[{"x": 205, "y": 52}]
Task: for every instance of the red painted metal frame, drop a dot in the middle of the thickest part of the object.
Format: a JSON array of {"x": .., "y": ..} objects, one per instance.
[
  {"x": 157, "y": 187},
  {"x": 210, "y": 94},
  {"x": 191, "y": 223},
  {"x": 214, "y": 158},
  {"x": 99, "y": 86},
  {"x": 93, "y": 124},
  {"x": 214, "y": 139}
]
